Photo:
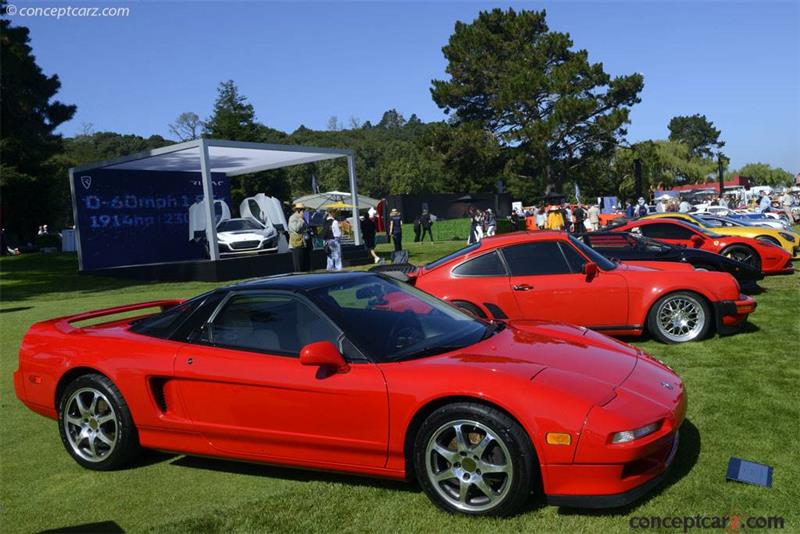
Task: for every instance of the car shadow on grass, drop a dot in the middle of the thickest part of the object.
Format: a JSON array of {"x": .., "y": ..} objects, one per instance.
[
  {"x": 685, "y": 459},
  {"x": 102, "y": 527},
  {"x": 288, "y": 473}
]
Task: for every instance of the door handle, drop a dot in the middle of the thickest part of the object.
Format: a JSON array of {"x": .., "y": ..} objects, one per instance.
[{"x": 522, "y": 287}]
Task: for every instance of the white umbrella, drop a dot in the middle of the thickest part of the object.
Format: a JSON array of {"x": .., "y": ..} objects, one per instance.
[{"x": 319, "y": 200}]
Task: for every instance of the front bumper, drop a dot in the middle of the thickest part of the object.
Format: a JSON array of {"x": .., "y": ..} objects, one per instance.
[
  {"x": 265, "y": 245},
  {"x": 616, "y": 500},
  {"x": 731, "y": 314}
]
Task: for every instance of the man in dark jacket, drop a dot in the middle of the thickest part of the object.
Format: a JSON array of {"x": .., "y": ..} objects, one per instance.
[{"x": 426, "y": 222}]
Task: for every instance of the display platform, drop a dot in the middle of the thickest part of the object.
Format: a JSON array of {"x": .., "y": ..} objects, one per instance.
[{"x": 251, "y": 266}]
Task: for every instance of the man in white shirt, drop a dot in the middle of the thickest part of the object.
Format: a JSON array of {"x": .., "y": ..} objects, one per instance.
[
  {"x": 764, "y": 203},
  {"x": 594, "y": 218},
  {"x": 684, "y": 207},
  {"x": 787, "y": 201}
]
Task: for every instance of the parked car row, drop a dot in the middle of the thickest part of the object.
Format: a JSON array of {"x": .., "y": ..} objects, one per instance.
[{"x": 485, "y": 375}]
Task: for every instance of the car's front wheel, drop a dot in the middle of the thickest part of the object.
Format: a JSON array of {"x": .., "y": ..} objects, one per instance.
[
  {"x": 679, "y": 317},
  {"x": 95, "y": 424},
  {"x": 474, "y": 459},
  {"x": 744, "y": 254}
]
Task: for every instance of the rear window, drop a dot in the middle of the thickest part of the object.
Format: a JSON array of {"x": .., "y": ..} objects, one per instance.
[
  {"x": 163, "y": 325},
  {"x": 485, "y": 265},
  {"x": 454, "y": 255}
]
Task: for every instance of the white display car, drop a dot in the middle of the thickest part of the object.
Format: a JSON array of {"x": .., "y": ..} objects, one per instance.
[{"x": 246, "y": 235}]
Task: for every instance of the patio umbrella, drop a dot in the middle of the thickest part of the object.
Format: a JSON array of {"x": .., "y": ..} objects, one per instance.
[
  {"x": 341, "y": 206},
  {"x": 319, "y": 200}
]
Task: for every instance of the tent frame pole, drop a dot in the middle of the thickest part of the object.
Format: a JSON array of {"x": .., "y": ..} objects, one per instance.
[
  {"x": 351, "y": 171},
  {"x": 208, "y": 201}
]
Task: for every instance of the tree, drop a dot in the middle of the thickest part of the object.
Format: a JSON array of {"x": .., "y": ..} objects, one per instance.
[
  {"x": 29, "y": 117},
  {"x": 697, "y": 133},
  {"x": 550, "y": 108},
  {"x": 187, "y": 126},
  {"x": 764, "y": 174},
  {"x": 664, "y": 163},
  {"x": 471, "y": 156},
  {"x": 392, "y": 119},
  {"x": 334, "y": 124},
  {"x": 234, "y": 117}
]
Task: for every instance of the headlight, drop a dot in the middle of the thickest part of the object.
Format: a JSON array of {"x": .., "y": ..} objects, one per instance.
[
  {"x": 630, "y": 435},
  {"x": 787, "y": 237}
]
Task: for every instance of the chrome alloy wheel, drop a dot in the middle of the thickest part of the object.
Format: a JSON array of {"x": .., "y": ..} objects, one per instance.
[
  {"x": 681, "y": 318},
  {"x": 90, "y": 424},
  {"x": 469, "y": 465}
]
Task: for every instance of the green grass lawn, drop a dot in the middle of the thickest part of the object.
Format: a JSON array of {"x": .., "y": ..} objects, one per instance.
[{"x": 743, "y": 401}]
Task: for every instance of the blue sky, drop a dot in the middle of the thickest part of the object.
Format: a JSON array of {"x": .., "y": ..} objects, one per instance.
[{"x": 301, "y": 63}]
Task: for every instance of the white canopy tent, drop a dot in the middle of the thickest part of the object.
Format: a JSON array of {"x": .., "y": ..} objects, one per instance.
[{"x": 232, "y": 158}]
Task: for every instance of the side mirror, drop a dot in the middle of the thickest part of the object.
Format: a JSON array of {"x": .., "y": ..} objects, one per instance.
[
  {"x": 590, "y": 269},
  {"x": 697, "y": 241},
  {"x": 323, "y": 354}
]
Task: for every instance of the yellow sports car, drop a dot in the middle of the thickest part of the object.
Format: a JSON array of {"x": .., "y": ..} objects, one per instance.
[{"x": 789, "y": 241}]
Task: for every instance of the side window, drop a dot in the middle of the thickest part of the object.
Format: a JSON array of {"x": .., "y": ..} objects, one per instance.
[
  {"x": 276, "y": 324},
  {"x": 485, "y": 265},
  {"x": 575, "y": 260},
  {"x": 666, "y": 231},
  {"x": 536, "y": 258}
]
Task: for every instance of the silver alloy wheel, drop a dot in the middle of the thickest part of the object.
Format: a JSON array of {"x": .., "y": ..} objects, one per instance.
[
  {"x": 680, "y": 318},
  {"x": 90, "y": 424},
  {"x": 469, "y": 465}
]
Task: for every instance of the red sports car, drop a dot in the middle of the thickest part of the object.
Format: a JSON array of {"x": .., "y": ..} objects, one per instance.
[
  {"x": 764, "y": 255},
  {"x": 553, "y": 276},
  {"x": 360, "y": 373}
]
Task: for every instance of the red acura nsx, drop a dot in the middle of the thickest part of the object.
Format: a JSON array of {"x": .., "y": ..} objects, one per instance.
[
  {"x": 553, "y": 276},
  {"x": 359, "y": 373}
]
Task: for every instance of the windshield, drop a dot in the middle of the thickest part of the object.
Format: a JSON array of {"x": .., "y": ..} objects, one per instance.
[
  {"x": 651, "y": 245},
  {"x": 601, "y": 261},
  {"x": 456, "y": 254},
  {"x": 704, "y": 231},
  {"x": 235, "y": 225},
  {"x": 392, "y": 321},
  {"x": 710, "y": 222}
]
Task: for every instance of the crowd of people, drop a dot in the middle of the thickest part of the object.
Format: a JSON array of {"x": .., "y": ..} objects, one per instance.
[
  {"x": 481, "y": 223},
  {"x": 303, "y": 232},
  {"x": 575, "y": 218}
]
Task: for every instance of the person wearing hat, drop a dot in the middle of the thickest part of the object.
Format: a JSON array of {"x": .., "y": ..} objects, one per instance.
[
  {"x": 396, "y": 229},
  {"x": 298, "y": 245}
]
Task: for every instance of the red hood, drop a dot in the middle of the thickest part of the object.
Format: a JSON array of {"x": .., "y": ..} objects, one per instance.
[
  {"x": 655, "y": 266},
  {"x": 527, "y": 347}
]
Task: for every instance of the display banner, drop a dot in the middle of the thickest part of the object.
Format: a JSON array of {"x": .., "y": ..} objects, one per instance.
[{"x": 136, "y": 217}]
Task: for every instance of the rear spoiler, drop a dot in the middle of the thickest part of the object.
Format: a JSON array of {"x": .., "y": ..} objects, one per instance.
[{"x": 64, "y": 324}]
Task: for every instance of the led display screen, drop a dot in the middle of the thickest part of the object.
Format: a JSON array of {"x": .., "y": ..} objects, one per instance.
[{"x": 136, "y": 217}]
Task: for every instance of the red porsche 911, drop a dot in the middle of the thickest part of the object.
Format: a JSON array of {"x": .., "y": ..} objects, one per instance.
[
  {"x": 769, "y": 258},
  {"x": 360, "y": 373},
  {"x": 554, "y": 276}
]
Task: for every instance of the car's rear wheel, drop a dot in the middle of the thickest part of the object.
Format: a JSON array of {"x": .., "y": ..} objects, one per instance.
[
  {"x": 744, "y": 254},
  {"x": 679, "y": 317},
  {"x": 474, "y": 459},
  {"x": 95, "y": 424}
]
